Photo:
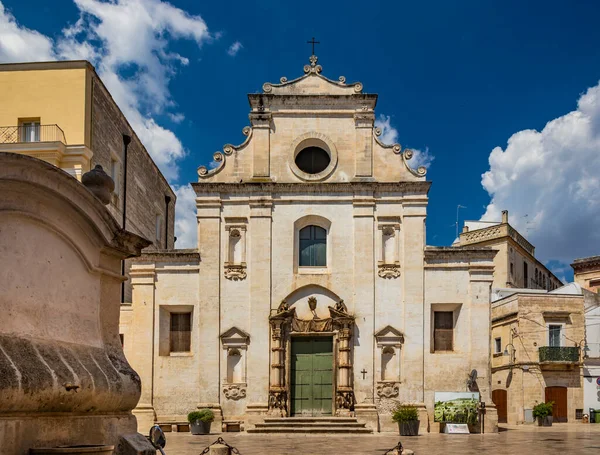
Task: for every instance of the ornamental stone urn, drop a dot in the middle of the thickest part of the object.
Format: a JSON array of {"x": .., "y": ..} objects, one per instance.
[
  {"x": 64, "y": 378},
  {"x": 99, "y": 183}
]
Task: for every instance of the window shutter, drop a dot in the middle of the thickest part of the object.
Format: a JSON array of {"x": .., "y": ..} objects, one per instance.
[
  {"x": 181, "y": 325},
  {"x": 443, "y": 334}
]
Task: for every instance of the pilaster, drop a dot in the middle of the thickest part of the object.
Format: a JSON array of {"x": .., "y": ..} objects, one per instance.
[
  {"x": 209, "y": 307},
  {"x": 364, "y": 307},
  {"x": 364, "y": 143},
  {"x": 261, "y": 126},
  {"x": 139, "y": 347},
  {"x": 259, "y": 274}
]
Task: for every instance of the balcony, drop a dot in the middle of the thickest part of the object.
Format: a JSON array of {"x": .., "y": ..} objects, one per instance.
[
  {"x": 558, "y": 355},
  {"x": 31, "y": 133}
]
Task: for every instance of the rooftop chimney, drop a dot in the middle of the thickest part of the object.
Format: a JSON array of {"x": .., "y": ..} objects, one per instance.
[{"x": 504, "y": 216}]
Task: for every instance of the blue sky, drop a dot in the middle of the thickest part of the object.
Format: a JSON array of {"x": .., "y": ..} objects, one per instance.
[{"x": 456, "y": 79}]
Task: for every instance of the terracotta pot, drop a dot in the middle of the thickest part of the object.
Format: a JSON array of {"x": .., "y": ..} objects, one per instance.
[
  {"x": 409, "y": 428},
  {"x": 82, "y": 449}
]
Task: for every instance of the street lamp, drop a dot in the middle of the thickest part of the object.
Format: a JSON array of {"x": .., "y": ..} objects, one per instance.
[{"x": 513, "y": 357}]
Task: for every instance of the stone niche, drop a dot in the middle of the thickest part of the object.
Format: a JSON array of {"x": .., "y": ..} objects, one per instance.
[{"x": 64, "y": 378}]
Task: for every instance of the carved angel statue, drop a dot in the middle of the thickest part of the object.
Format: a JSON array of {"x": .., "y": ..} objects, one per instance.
[
  {"x": 341, "y": 307},
  {"x": 283, "y": 307}
]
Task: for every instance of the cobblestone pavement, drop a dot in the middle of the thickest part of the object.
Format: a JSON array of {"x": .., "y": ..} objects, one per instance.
[{"x": 566, "y": 439}]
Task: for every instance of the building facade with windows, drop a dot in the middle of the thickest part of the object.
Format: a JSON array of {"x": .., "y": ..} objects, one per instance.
[
  {"x": 587, "y": 273},
  {"x": 515, "y": 265},
  {"x": 62, "y": 113},
  {"x": 538, "y": 346},
  {"x": 312, "y": 291}
]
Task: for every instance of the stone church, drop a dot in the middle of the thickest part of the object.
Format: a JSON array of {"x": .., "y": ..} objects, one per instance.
[{"x": 312, "y": 291}]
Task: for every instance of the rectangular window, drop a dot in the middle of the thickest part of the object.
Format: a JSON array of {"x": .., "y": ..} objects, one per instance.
[
  {"x": 525, "y": 275},
  {"x": 554, "y": 335},
  {"x": 512, "y": 270},
  {"x": 498, "y": 345},
  {"x": 122, "y": 338},
  {"x": 181, "y": 332},
  {"x": 443, "y": 331},
  {"x": 29, "y": 131}
]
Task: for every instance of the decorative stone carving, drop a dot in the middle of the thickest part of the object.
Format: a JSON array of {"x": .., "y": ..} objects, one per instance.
[
  {"x": 312, "y": 304},
  {"x": 388, "y": 389},
  {"x": 278, "y": 402},
  {"x": 99, "y": 183},
  {"x": 344, "y": 401},
  {"x": 234, "y": 391},
  {"x": 389, "y": 271},
  {"x": 235, "y": 272},
  {"x": 219, "y": 157}
]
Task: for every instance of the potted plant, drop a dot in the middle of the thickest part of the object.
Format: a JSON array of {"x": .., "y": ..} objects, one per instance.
[
  {"x": 543, "y": 413},
  {"x": 408, "y": 420},
  {"x": 200, "y": 421}
]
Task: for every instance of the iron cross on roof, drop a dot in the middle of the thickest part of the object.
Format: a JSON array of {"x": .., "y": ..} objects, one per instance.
[{"x": 313, "y": 42}]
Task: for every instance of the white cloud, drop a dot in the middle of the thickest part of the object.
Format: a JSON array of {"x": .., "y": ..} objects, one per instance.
[
  {"x": 185, "y": 217},
  {"x": 177, "y": 117},
  {"x": 18, "y": 43},
  {"x": 389, "y": 135},
  {"x": 128, "y": 41},
  {"x": 234, "y": 49},
  {"x": 548, "y": 181}
]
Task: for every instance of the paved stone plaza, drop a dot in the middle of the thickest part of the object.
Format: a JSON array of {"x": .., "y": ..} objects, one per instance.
[{"x": 562, "y": 439}]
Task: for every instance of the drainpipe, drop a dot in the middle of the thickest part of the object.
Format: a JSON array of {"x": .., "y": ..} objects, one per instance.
[
  {"x": 126, "y": 141},
  {"x": 167, "y": 201}
]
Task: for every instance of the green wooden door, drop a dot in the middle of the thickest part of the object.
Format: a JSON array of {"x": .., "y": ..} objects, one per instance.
[{"x": 312, "y": 376}]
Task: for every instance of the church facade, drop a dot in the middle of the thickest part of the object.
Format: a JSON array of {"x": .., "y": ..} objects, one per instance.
[{"x": 312, "y": 291}]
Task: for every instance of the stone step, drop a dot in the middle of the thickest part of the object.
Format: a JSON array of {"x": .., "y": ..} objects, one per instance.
[
  {"x": 309, "y": 429},
  {"x": 310, "y": 419},
  {"x": 313, "y": 424},
  {"x": 310, "y": 425}
]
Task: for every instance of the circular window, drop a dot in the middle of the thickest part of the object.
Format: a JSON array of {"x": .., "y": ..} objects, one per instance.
[
  {"x": 313, "y": 157},
  {"x": 312, "y": 160}
]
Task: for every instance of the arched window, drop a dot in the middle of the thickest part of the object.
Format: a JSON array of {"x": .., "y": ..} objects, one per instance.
[{"x": 313, "y": 247}]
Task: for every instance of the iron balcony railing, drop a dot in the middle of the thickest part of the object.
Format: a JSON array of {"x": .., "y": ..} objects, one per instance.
[
  {"x": 559, "y": 354},
  {"x": 31, "y": 132}
]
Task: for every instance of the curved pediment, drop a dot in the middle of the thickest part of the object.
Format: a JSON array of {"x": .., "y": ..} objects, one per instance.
[{"x": 313, "y": 83}]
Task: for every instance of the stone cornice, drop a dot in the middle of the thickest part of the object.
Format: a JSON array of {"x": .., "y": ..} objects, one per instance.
[
  {"x": 314, "y": 187},
  {"x": 183, "y": 255},
  {"x": 586, "y": 264},
  {"x": 453, "y": 252}
]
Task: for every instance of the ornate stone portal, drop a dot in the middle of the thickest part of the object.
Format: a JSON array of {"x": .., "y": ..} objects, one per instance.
[{"x": 283, "y": 325}]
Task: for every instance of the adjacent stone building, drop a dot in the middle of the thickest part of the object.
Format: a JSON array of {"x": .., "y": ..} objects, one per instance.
[
  {"x": 515, "y": 265},
  {"x": 587, "y": 273},
  {"x": 62, "y": 113},
  {"x": 312, "y": 291},
  {"x": 538, "y": 346}
]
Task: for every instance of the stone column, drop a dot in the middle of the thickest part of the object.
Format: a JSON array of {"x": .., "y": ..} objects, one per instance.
[
  {"x": 277, "y": 387},
  {"x": 345, "y": 393},
  {"x": 209, "y": 304},
  {"x": 139, "y": 347}
]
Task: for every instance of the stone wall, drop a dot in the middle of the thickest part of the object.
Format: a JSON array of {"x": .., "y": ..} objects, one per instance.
[{"x": 146, "y": 186}]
